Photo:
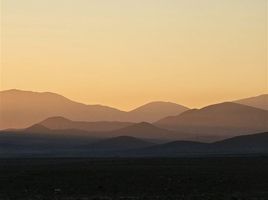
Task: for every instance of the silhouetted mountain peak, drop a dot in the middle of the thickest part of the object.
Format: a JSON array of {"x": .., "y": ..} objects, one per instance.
[
  {"x": 245, "y": 141},
  {"x": 260, "y": 101},
  {"x": 154, "y": 111},
  {"x": 56, "y": 119},
  {"x": 262, "y": 95},
  {"x": 142, "y": 130},
  {"x": 143, "y": 124},
  {"x": 30, "y": 93},
  {"x": 222, "y": 108},
  {"x": 159, "y": 105},
  {"x": 38, "y": 128},
  {"x": 219, "y": 120},
  {"x": 10, "y": 91}
]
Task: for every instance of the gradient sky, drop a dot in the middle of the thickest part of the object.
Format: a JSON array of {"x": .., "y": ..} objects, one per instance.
[{"x": 126, "y": 53}]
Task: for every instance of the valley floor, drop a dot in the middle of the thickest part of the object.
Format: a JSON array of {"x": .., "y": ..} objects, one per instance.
[{"x": 230, "y": 178}]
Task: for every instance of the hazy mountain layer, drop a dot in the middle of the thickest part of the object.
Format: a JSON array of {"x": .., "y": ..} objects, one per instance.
[
  {"x": 219, "y": 120},
  {"x": 19, "y": 109},
  {"x": 63, "y": 123},
  {"x": 258, "y": 101},
  {"x": 25, "y": 144}
]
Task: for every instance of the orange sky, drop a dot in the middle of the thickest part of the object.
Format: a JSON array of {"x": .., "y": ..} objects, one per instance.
[{"x": 126, "y": 53}]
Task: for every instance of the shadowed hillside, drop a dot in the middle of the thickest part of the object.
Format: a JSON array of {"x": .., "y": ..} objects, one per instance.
[
  {"x": 40, "y": 141},
  {"x": 154, "y": 111},
  {"x": 258, "y": 101},
  {"x": 219, "y": 120},
  {"x": 247, "y": 144},
  {"x": 149, "y": 131},
  {"x": 63, "y": 123},
  {"x": 118, "y": 143}
]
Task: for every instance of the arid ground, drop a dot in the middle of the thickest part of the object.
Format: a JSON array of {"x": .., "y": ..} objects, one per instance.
[{"x": 158, "y": 178}]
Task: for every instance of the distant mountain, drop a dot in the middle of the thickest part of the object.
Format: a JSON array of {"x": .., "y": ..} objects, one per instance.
[
  {"x": 219, "y": 121},
  {"x": 258, "y": 101},
  {"x": 37, "y": 128},
  {"x": 63, "y": 123},
  {"x": 41, "y": 140},
  {"x": 154, "y": 111},
  {"x": 175, "y": 148},
  {"x": 63, "y": 127},
  {"x": 45, "y": 144},
  {"x": 22, "y": 108},
  {"x": 253, "y": 143},
  {"x": 113, "y": 129},
  {"x": 118, "y": 143},
  {"x": 247, "y": 144},
  {"x": 19, "y": 109},
  {"x": 144, "y": 130}
]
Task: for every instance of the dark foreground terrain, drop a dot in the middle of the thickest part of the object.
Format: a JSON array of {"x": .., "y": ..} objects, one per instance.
[{"x": 172, "y": 178}]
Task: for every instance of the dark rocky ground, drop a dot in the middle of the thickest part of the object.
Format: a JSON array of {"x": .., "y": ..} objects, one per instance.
[{"x": 230, "y": 178}]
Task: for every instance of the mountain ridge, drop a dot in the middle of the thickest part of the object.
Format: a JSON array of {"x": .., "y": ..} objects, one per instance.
[
  {"x": 125, "y": 146},
  {"x": 34, "y": 107},
  {"x": 260, "y": 101},
  {"x": 223, "y": 119},
  {"x": 59, "y": 122}
]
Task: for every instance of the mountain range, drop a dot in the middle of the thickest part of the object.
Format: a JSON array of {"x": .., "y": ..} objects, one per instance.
[
  {"x": 240, "y": 145},
  {"x": 20, "y": 109},
  {"x": 209, "y": 124},
  {"x": 212, "y": 123},
  {"x": 19, "y": 145},
  {"x": 64, "y": 123},
  {"x": 220, "y": 120},
  {"x": 260, "y": 101},
  {"x": 57, "y": 126},
  {"x": 142, "y": 130}
]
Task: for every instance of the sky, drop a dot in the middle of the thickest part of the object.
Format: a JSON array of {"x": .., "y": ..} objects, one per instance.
[{"x": 125, "y": 53}]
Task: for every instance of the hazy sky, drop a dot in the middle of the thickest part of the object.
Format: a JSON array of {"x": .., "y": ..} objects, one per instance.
[{"x": 124, "y": 53}]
